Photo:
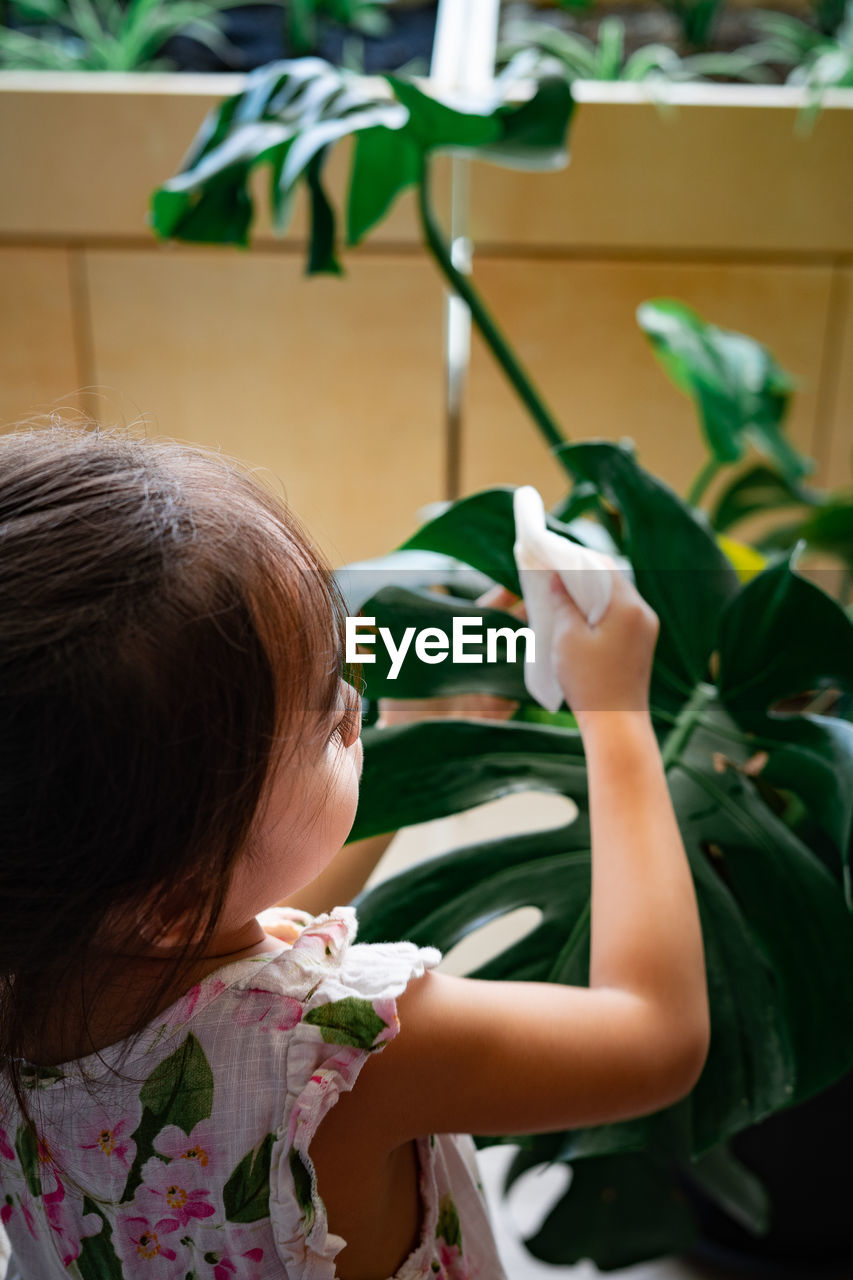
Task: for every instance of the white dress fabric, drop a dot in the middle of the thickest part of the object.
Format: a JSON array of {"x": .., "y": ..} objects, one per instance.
[{"x": 195, "y": 1164}]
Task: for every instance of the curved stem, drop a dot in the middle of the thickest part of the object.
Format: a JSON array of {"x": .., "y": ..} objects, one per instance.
[
  {"x": 686, "y": 722},
  {"x": 701, "y": 481},
  {"x": 492, "y": 335}
]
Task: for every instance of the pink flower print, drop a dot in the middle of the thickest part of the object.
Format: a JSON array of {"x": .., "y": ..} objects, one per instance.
[
  {"x": 195, "y": 1148},
  {"x": 448, "y": 1234},
  {"x": 453, "y": 1265},
  {"x": 22, "y": 1203},
  {"x": 106, "y": 1148},
  {"x": 386, "y": 1009},
  {"x": 182, "y": 1011},
  {"x": 268, "y": 1010},
  {"x": 325, "y": 941},
  {"x": 171, "y": 1193},
  {"x": 67, "y": 1225},
  {"x": 230, "y": 1254},
  {"x": 46, "y": 1168},
  {"x": 310, "y": 1104},
  {"x": 7, "y": 1151},
  {"x": 144, "y": 1250}
]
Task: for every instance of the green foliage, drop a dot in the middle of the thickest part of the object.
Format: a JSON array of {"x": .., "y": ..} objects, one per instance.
[
  {"x": 764, "y": 801},
  {"x": 104, "y": 35},
  {"x": 305, "y": 18},
  {"x": 540, "y": 48},
  {"x": 739, "y": 389},
  {"x": 829, "y": 14},
  {"x": 742, "y": 395},
  {"x": 765, "y": 811},
  {"x": 819, "y": 58},
  {"x": 697, "y": 19},
  {"x": 289, "y": 116}
]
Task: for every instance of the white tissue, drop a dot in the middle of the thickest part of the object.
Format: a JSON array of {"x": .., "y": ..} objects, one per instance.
[{"x": 536, "y": 551}]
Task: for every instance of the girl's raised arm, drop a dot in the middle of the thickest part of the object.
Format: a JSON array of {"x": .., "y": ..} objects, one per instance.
[{"x": 521, "y": 1057}]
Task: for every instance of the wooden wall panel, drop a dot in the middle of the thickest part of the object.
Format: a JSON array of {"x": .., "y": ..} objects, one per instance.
[
  {"x": 332, "y": 385},
  {"x": 38, "y": 362},
  {"x": 840, "y": 397},
  {"x": 575, "y": 328},
  {"x": 696, "y": 178}
]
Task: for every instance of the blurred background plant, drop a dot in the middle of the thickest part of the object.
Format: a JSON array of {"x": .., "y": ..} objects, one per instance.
[
  {"x": 692, "y": 40},
  {"x": 742, "y": 396},
  {"x": 818, "y": 58},
  {"x": 102, "y": 35},
  {"x": 305, "y": 18},
  {"x": 810, "y": 44},
  {"x": 534, "y": 45},
  {"x": 125, "y": 35}
]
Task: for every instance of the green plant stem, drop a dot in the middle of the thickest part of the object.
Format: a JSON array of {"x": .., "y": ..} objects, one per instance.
[
  {"x": 685, "y": 723},
  {"x": 701, "y": 481},
  {"x": 490, "y": 332}
]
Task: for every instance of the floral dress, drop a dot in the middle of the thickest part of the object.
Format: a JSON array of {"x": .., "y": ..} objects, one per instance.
[{"x": 194, "y": 1163}]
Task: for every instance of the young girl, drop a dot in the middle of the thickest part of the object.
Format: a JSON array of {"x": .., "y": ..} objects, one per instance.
[{"x": 189, "y": 1095}]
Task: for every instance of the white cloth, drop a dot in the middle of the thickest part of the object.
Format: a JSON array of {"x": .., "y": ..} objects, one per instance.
[{"x": 586, "y": 574}]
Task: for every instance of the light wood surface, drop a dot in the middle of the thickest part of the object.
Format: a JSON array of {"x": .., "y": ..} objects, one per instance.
[
  {"x": 839, "y": 387},
  {"x": 38, "y": 357},
  {"x": 331, "y": 387},
  {"x": 574, "y": 324}
]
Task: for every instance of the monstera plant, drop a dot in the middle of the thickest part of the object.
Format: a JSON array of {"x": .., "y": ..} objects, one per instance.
[
  {"x": 742, "y": 397},
  {"x": 763, "y": 796},
  {"x": 764, "y": 802}
]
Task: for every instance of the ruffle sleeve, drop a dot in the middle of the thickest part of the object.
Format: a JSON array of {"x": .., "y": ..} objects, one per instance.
[{"x": 349, "y": 1012}]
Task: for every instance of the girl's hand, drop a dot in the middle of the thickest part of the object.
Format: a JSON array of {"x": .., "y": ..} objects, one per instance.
[
  {"x": 606, "y": 667},
  {"x": 484, "y": 706}
]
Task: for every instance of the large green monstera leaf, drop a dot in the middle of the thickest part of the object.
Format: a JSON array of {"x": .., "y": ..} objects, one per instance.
[
  {"x": 289, "y": 116},
  {"x": 764, "y": 802}
]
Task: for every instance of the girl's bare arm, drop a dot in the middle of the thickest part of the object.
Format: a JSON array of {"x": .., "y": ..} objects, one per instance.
[{"x": 507, "y": 1057}]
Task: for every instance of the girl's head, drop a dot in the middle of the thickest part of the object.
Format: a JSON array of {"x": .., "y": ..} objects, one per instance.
[{"x": 171, "y": 692}]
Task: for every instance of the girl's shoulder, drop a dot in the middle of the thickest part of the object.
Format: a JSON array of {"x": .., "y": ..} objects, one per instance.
[{"x": 323, "y": 966}]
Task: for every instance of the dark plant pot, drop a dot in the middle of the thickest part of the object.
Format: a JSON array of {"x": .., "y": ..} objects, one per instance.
[{"x": 801, "y": 1156}]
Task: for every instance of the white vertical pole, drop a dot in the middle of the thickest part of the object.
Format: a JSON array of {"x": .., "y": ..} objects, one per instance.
[{"x": 463, "y": 63}]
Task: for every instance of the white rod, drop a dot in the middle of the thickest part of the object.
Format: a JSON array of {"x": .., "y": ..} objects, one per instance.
[{"x": 463, "y": 64}]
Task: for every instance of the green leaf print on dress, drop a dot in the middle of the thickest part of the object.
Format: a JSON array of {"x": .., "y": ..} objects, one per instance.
[
  {"x": 246, "y": 1194},
  {"x": 179, "y": 1091},
  {"x": 448, "y": 1234},
  {"x": 349, "y": 1021},
  {"x": 97, "y": 1259},
  {"x": 302, "y": 1187},
  {"x": 27, "y": 1147}
]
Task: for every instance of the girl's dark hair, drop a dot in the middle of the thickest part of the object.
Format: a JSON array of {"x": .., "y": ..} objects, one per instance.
[{"x": 168, "y": 636}]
